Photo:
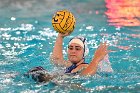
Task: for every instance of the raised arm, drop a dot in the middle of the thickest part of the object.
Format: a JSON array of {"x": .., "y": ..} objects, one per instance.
[
  {"x": 57, "y": 54},
  {"x": 98, "y": 56},
  {"x": 58, "y": 48}
]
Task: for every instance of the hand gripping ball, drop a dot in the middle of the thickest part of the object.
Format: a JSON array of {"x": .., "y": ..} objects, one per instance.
[{"x": 63, "y": 21}]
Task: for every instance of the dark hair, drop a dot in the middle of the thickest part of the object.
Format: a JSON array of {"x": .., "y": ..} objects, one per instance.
[{"x": 38, "y": 74}]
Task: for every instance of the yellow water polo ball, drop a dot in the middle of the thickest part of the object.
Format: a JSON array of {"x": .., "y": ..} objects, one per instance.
[{"x": 63, "y": 21}]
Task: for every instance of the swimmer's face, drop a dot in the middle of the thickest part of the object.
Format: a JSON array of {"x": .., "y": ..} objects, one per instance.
[{"x": 75, "y": 52}]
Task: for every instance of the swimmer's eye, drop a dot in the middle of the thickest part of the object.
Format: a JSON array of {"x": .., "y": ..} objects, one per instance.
[
  {"x": 70, "y": 48},
  {"x": 77, "y": 48}
]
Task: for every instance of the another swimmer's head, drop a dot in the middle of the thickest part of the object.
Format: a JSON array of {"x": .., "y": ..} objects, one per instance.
[
  {"x": 41, "y": 77},
  {"x": 39, "y": 74},
  {"x": 77, "y": 49}
]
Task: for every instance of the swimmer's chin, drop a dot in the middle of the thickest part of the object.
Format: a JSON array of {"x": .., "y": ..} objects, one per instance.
[{"x": 73, "y": 60}]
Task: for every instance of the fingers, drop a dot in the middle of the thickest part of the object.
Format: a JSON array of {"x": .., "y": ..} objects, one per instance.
[
  {"x": 65, "y": 34},
  {"x": 68, "y": 33},
  {"x": 102, "y": 50},
  {"x": 103, "y": 46}
]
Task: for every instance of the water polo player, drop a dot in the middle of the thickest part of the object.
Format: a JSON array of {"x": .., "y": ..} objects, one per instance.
[{"x": 77, "y": 51}]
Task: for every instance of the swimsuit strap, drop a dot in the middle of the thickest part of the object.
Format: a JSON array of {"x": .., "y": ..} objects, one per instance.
[
  {"x": 83, "y": 63},
  {"x": 73, "y": 66},
  {"x": 69, "y": 69}
]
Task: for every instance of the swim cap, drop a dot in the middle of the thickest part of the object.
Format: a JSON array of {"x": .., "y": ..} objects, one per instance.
[{"x": 82, "y": 42}]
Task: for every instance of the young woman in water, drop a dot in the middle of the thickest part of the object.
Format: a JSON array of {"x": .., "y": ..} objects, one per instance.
[{"x": 77, "y": 51}]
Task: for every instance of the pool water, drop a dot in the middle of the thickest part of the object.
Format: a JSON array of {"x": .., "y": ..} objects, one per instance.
[{"x": 27, "y": 39}]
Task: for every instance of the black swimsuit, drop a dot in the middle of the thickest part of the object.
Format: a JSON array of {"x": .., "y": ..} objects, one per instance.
[{"x": 73, "y": 66}]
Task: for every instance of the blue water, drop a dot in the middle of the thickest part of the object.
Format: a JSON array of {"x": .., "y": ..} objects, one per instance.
[{"x": 27, "y": 39}]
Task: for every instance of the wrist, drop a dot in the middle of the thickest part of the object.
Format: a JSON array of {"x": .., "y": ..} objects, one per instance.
[{"x": 59, "y": 39}]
